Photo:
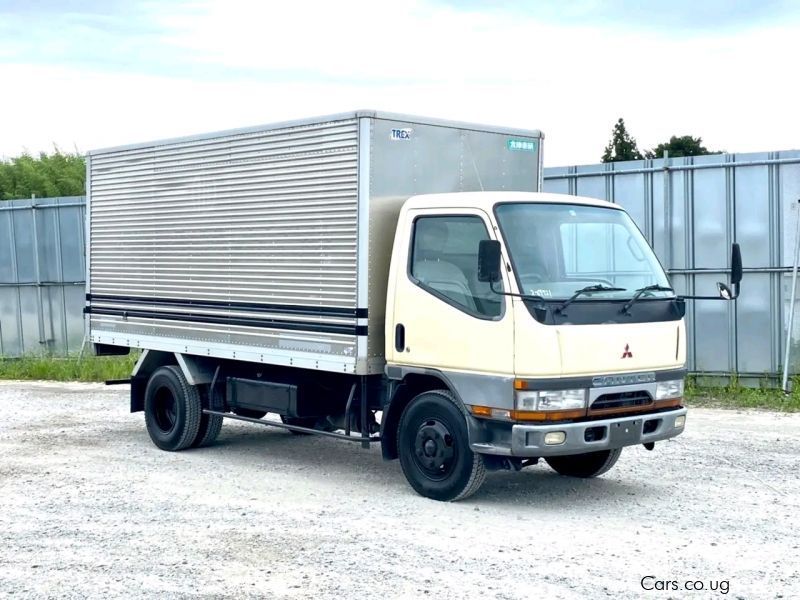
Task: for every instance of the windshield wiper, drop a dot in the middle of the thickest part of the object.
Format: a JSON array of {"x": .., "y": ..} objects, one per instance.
[
  {"x": 587, "y": 290},
  {"x": 648, "y": 288}
]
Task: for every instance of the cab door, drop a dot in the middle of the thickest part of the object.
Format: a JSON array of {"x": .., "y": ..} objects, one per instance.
[{"x": 443, "y": 317}]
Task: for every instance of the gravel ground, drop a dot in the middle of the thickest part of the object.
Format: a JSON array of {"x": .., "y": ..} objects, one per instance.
[{"x": 90, "y": 508}]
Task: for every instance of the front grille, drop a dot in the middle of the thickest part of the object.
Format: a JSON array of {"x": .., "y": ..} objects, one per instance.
[{"x": 622, "y": 400}]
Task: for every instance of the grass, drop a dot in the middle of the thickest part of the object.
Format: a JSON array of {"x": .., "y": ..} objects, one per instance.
[
  {"x": 96, "y": 368},
  {"x": 89, "y": 368},
  {"x": 734, "y": 395}
]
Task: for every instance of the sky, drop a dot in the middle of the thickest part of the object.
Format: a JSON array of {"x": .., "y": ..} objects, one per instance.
[{"x": 84, "y": 74}]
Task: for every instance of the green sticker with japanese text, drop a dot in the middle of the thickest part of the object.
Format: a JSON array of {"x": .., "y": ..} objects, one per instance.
[{"x": 523, "y": 145}]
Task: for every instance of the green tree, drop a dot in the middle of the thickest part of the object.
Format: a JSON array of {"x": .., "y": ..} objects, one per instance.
[
  {"x": 45, "y": 176},
  {"x": 622, "y": 145},
  {"x": 685, "y": 145}
]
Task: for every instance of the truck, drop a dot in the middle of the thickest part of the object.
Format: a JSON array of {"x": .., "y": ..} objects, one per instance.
[{"x": 383, "y": 279}]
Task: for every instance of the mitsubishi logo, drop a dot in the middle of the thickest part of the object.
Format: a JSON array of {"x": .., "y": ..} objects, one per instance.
[{"x": 627, "y": 353}]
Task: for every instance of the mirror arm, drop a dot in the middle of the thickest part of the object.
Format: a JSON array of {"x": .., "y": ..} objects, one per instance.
[
  {"x": 502, "y": 293},
  {"x": 705, "y": 298},
  {"x": 734, "y": 296},
  {"x": 523, "y": 296}
]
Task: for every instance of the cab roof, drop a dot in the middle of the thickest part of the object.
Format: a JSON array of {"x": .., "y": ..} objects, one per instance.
[{"x": 487, "y": 200}]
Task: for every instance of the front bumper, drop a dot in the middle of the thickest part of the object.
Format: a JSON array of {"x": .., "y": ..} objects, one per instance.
[{"x": 524, "y": 440}]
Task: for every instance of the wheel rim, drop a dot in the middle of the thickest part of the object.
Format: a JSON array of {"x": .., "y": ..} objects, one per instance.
[
  {"x": 164, "y": 409},
  {"x": 434, "y": 450}
]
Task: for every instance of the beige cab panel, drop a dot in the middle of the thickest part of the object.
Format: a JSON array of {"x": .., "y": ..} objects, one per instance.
[
  {"x": 438, "y": 334},
  {"x": 589, "y": 349},
  {"x": 597, "y": 349},
  {"x": 536, "y": 351}
]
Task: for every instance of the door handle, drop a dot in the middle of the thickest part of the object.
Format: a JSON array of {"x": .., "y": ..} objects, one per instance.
[{"x": 399, "y": 337}]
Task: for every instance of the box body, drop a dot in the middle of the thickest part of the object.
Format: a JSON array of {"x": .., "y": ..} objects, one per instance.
[{"x": 272, "y": 244}]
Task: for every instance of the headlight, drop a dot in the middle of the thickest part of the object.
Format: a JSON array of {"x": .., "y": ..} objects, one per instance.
[
  {"x": 551, "y": 400},
  {"x": 666, "y": 390}
]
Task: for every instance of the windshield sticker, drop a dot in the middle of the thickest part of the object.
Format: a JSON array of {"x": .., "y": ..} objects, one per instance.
[
  {"x": 524, "y": 145},
  {"x": 544, "y": 293}
]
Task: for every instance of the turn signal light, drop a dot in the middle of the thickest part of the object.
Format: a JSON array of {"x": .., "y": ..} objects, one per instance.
[
  {"x": 481, "y": 411},
  {"x": 526, "y": 415},
  {"x": 550, "y": 415},
  {"x": 491, "y": 413}
]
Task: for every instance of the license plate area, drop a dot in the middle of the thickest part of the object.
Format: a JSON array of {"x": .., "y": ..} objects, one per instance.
[{"x": 628, "y": 432}]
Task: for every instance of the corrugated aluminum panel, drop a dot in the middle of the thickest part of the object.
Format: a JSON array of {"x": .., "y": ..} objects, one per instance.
[
  {"x": 261, "y": 241},
  {"x": 41, "y": 276},
  {"x": 246, "y": 239}
]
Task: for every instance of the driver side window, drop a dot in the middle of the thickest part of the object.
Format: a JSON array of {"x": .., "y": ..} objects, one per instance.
[{"x": 444, "y": 262}]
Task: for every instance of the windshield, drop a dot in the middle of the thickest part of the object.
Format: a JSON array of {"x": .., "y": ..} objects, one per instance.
[{"x": 557, "y": 249}]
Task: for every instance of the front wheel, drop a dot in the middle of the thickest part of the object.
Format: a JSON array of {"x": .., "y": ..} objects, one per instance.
[
  {"x": 587, "y": 465},
  {"x": 433, "y": 447}
]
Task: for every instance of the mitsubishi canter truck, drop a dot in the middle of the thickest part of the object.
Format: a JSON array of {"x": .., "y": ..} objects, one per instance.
[{"x": 388, "y": 279}]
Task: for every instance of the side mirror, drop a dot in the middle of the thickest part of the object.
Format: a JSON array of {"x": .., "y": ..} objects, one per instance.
[
  {"x": 725, "y": 292},
  {"x": 489, "y": 261},
  {"x": 736, "y": 265}
]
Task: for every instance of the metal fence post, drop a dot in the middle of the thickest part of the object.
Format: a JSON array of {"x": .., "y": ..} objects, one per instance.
[
  {"x": 667, "y": 213},
  {"x": 789, "y": 326},
  {"x": 38, "y": 270}
]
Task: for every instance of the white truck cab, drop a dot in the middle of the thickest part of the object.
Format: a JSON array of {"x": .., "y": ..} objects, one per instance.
[{"x": 542, "y": 369}]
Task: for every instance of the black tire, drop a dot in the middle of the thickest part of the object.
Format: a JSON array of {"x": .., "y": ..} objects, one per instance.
[
  {"x": 300, "y": 422},
  {"x": 172, "y": 409},
  {"x": 433, "y": 446},
  {"x": 248, "y": 412},
  {"x": 210, "y": 426},
  {"x": 585, "y": 465}
]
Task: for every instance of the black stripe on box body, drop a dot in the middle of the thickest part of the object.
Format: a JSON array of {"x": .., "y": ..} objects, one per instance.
[
  {"x": 286, "y": 309},
  {"x": 241, "y": 321},
  {"x": 266, "y": 323}
]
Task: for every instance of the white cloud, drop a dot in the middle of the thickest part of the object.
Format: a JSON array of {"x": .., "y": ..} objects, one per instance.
[{"x": 737, "y": 91}]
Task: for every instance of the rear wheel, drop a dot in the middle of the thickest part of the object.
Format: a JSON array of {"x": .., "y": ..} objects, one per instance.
[
  {"x": 172, "y": 409},
  {"x": 587, "y": 465},
  {"x": 210, "y": 426},
  {"x": 433, "y": 447}
]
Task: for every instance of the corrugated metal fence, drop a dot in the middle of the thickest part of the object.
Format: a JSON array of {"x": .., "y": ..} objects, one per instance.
[
  {"x": 691, "y": 210},
  {"x": 41, "y": 276}
]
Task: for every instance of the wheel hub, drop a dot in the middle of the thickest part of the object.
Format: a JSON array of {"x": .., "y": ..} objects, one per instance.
[
  {"x": 433, "y": 448},
  {"x": 165, "y": 410},
  {"x": 430, "y": 448}
]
